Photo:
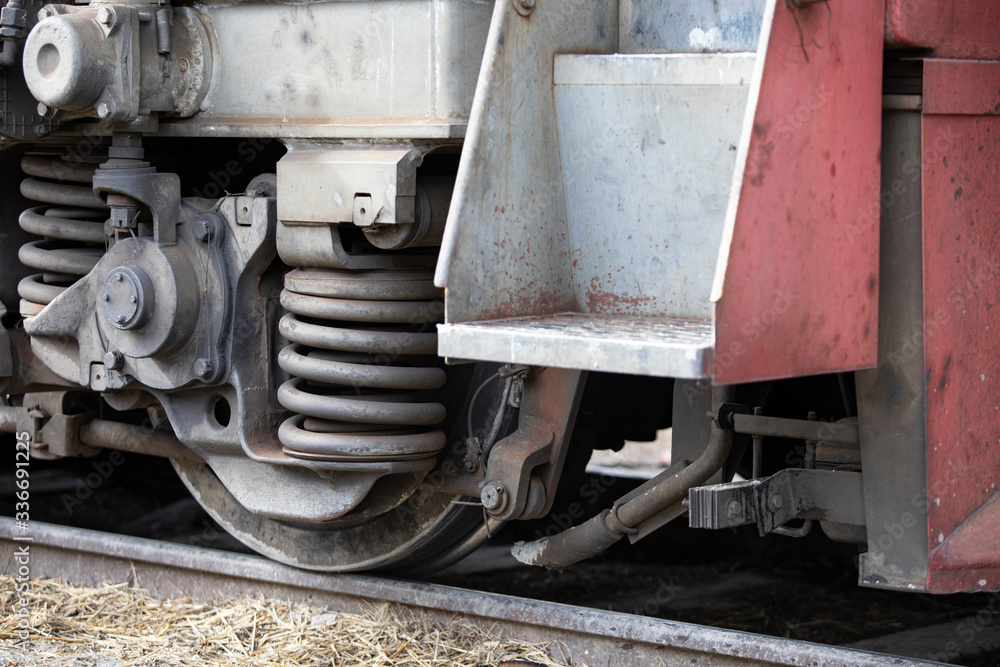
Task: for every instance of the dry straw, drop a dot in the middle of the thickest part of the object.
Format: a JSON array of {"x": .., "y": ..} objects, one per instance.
[{"x": 115, "y": 625}]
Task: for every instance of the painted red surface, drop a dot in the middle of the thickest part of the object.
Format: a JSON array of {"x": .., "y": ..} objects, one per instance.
[
  {"x": 953, "y": 28},
  {"x": 973, "y": 547},
  {"x": 801, "y": 287},
  {"x": 962, "y": 87},
  {"x": 961, "y": 247}
]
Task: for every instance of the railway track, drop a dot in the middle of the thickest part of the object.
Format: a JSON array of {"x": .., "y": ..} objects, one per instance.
[{"x": 577, "y": 633}]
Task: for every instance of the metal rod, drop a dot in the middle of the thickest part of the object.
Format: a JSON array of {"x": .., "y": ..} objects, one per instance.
[
  {"x": 605, "y": 529},
  {"x": 135, "y": 439}
]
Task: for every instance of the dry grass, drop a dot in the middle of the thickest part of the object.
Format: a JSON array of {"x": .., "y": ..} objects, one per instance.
[{"x": 117, "y": 625}]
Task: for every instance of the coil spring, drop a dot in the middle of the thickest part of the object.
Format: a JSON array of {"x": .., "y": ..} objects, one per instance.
[
  {"x": 71, "y": 222},
  {"x": 362, "y": 359}
]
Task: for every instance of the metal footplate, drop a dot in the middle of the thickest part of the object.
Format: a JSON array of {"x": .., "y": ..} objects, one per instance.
[
  {"x": 668, "y": 347},
  {"x": 770, "y": 502}
]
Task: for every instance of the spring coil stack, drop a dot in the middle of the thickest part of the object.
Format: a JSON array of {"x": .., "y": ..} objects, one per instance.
[
  {"x": 71, "y": 222},
  {"x": 364, "y": 367}
]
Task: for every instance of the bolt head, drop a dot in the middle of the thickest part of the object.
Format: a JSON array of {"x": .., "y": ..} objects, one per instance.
[
  {"x": 203, "y": 367},
  {"x": 471, "y": 465},
  {"x": 775, "y": 503},
  {"x": 103, "y": 110},
  {"x": 734, "y": 509},
  {"x": 105, "y": 16},
  {"x": 493, "y": 496},
  {"x": 114, "y": 360}
]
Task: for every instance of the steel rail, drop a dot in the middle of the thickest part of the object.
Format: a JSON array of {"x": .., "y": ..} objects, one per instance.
[{"x": 592, "y": 636}]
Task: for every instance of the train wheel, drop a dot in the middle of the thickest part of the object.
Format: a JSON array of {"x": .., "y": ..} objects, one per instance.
[{"x": 426, "y": 533}]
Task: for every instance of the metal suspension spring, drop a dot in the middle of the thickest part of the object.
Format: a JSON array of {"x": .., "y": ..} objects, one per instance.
[
  {"x": 363, "y": 364},
  {"x": 71, "y": 222}
]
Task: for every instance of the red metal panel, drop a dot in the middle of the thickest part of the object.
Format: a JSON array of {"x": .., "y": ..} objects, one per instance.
[
  {"x": 953, "y": 28},
  {"x": 968, "y": 560},
  {"x": 961, "y": 246},
  {"x": 801, "y": 286},
  {"x": 962, "y": 87}
]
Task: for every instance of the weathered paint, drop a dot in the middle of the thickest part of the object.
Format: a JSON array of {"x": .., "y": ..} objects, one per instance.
[
  {"x": 504, "y": 252},
  {"x": 800, "y": 288},
  {"x": 953, "y": 28},
  {"x": 961, "y": 241}
]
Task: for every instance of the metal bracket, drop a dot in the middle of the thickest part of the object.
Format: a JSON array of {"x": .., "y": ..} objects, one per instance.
[
  {"x": 161, "y": 192},
  {"x": 523, "y": 469},
  {"x": 508, "y": 473},
  {"x": 770, "y": 502}
]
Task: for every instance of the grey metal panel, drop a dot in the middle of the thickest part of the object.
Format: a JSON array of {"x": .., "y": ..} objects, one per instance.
[
  {"x": 349, "y": 69},
  {"x": 664, "y": 347},
  {"x": 504, "y": 251},
  {"x": 676, "y": 26},
  {"x": 892, "y": 397},
  {"x": 648, "y": 147}
]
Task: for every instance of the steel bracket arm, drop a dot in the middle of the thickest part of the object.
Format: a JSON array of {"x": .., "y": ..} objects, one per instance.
[{"x": 770, "y": 502}]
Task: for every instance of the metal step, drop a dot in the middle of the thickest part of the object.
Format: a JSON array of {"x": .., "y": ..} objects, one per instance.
[{"x": 668, "y": 347}]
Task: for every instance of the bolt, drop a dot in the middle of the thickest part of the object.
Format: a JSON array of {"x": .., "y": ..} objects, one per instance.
[
  {"x": 118, "y": 277},
  {"x": 524, "y": 7},
  {"x": 132, "y": 298},
  {"x": 734, "y": 509},
  {"x": 203, "y": 229},
  {"x": 42, "y": 109},
  {"x": 120, "y": 319},
  {"x": 114, "y": 360},
  {"x": 775, "y": 503},
  {"x": 493, "y": 496},
  {"x": 105, "y": 16},
  {"x": 103, "y": 110},
  {"x": 106, "y": 297},
  {"x": 203, "y": 367},
  {"x": 471, "y": 465}
]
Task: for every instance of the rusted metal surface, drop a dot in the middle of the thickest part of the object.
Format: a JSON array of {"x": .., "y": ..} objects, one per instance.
[
  {"x": 961, "y": 241},
  {"x": 596, "y": 637},
  {"x": 953, "y": 28},
  {"x": 799, "y": 294}
]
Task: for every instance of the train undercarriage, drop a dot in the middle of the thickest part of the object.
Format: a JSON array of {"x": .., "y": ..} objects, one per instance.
[{"x": 376, "y": 275}]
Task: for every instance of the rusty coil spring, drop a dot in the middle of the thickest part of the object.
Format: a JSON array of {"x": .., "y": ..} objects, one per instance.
[
  {"x": 363, "y": 365},
  {"x": 71, "y": 222}
]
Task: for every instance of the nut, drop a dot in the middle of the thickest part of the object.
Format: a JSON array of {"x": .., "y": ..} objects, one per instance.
[
  {"x": 494, "y": 496},
  {"x": 203, "y": 367},
  {"x": 103, "y": 110},
  {"x": 775, "y": 503},
  {"x": 114, "y": 360}
]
